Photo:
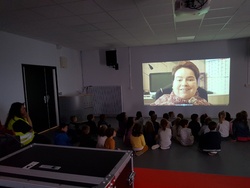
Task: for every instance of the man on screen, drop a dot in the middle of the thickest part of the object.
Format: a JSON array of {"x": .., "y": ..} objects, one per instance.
[{"x": 185, "y": 85}]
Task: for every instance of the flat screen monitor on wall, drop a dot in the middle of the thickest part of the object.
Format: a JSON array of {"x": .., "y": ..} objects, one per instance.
[{"x": 178, "y": 83}]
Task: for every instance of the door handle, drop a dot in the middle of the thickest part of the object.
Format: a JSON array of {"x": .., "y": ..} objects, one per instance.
[{"x": 46, "y": 98}]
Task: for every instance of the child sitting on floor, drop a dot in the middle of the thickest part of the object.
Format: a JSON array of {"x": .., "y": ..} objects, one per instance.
[
  {"x": 186, "y": 138},
  {"x": 85, "y": 139},
  {"x": 176, "y": 128},
  {"x": 110, "y": 142},
  {"x": 149, "y": 134},
  {"x": 101, "y": 137},
  {"x": 137, "y": 140},
  {"x": 211, "y": 141},
  {"x": 128, "y": 131},
  {"x": 61, "y": 136},
  {"x": 74, "y": 130},
  {"x": 164, "y": 135}
]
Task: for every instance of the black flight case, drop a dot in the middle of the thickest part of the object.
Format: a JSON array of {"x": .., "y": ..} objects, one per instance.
[{"x": 47, "y": 166}]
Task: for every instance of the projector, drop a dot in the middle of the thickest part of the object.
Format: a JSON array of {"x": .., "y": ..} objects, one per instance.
[{"x": 191, "y": 7}]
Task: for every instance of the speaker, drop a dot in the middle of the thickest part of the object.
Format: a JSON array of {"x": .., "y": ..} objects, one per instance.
[{"x": 111, "y": 59}]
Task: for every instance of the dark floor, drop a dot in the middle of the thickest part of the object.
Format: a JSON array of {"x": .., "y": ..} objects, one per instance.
[{"x": 233, "y": 160}]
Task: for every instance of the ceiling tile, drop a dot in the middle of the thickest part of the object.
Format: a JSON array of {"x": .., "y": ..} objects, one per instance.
[
  {"x": 109, "y": 5},
  {"x": 82, "y": 7},
  {"x": 157, "y": 9},
  {"x": 108, "y": 25},
  {"x": 223, "y": 12},
  {"x": 134, "y": 23},
  {"x": 90, "y": 24},
  {"x": 126, "y": 14},
  {"x": 52, "y": 11},
  {"x": 216, "y": 20},
  {"x": 84, "y": 27},
  {"x": 70, "y": 21},
  {"x": 97, "y": 18},
  {"x": 163, "y": 19}
]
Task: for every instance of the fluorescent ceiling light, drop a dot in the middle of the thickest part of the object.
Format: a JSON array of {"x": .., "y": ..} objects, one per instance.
[{"x": 186, "y": 38}]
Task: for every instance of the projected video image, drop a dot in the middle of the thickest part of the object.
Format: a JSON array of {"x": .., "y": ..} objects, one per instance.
[{"x": 186, "y": 83}]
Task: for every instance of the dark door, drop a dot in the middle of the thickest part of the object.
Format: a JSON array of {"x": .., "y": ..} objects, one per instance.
[
  {"x": 40, "y": 87},
  {"x": 51, "y": 97}
]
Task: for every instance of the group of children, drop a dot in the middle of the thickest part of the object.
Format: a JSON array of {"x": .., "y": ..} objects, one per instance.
[
  {"x": 206, "y": 132},
  {"x": 87, "y": 134},
  {"x": 140, "y": 136}
]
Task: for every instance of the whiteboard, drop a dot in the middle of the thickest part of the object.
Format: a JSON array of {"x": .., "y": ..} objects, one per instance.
[{"x": 106, "y": 99}]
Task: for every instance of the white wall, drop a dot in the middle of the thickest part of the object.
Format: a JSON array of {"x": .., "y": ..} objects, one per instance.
[
  {"x": 16, "y": 50},
  {"x": 97, "y": 73}
]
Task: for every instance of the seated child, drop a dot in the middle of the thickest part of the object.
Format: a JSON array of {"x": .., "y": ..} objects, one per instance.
[
  {"x": 86, "y": 139},
  {"x": 164, "y": 135},
  {"x": 91, "y": 123},
  {"x": 186, "y": 138},
  {"x": 149, "y": 134},
  {"x": 73, "y": 122},
  {"x": 73, "y": 130},
  {"x": 223, "y": 126},
  {"x": 204, "y": 129},
  {"x": 211, "y": 141},
  {"x": 102, "y": 121},
  {"x": 110, "y": 142},
  {"x": 128, "y": 131},
  {"x": 240, "y": 128},
  {"x": 61, "y": 136},
  {"x": 139, "y": 118},
  {"x": 176, "y": 128},
  {"x": 195, "y": 126},
  {"x": 101, "y": 137},
  {"x": 137, "y": 140}
]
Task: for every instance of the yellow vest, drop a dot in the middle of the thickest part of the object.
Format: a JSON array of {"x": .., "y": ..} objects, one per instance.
[{"x": 24, "y": 138}]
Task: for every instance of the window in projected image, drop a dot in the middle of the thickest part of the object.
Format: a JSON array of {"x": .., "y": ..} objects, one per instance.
[{"x": 187, "y": 83}]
